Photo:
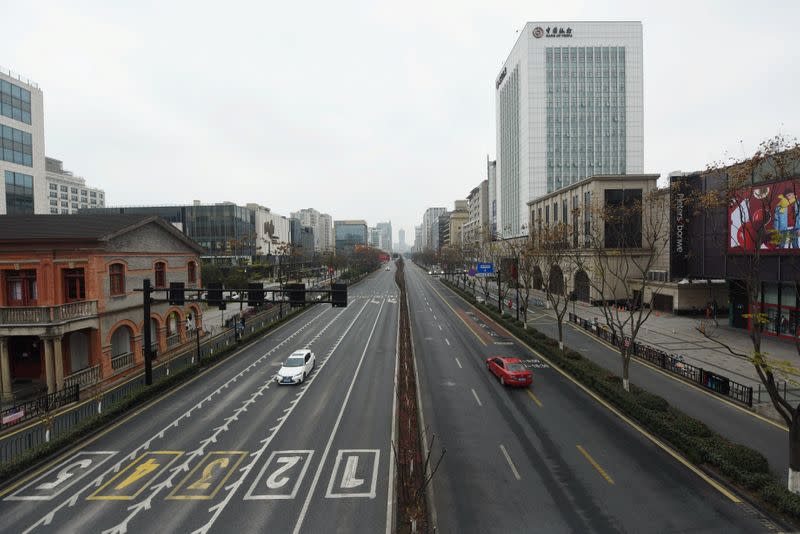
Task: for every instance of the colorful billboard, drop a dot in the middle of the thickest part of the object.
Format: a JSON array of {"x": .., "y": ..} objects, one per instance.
[{"x": 765, "y": 217}]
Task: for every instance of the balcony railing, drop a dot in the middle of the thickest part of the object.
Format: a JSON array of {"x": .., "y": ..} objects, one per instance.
[
  {"x": 123, "y": 361},
  {"x": 48, "y": 314},
  {"x": 84, "y": 378}
]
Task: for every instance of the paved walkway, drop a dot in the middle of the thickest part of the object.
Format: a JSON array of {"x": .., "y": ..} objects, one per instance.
[{"x": 677, "y": 334}]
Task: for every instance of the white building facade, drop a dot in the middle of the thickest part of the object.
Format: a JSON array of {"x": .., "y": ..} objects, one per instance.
[
  {"x": 68, "y": 193},
  {"x": 273, "y": 231},
  {"x": 322, "y": 223},
  {"x": 430, "y": 218},
  {"x": 22, "y": 167},
  {"x": 568, "y": 106}
]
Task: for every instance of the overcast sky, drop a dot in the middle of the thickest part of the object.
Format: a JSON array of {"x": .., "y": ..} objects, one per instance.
[{"x": 364, "y": 110}]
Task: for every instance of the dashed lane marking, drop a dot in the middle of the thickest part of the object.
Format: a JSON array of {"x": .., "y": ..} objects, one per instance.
[
  {"x": 510, "y": 463},
  {"x": 595, "y": 465}
]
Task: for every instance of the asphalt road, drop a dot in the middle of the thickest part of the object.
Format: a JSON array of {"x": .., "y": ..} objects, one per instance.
[
  {"x": 734, "y": 422},
  {"x": 547, "y": 459},
  {"x": 234, "y": 452}
]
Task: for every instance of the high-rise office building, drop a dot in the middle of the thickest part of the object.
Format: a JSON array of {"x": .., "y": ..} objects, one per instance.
[
  {"x": 401, "y": 240},
  {"x": 22, "y": 168},
  {"x": 569, "y": 106},
  {"x": 429, "y": 218},
  {"x": 385, "y": 231},
  {"x": 349, "y": 234},
  {"x": 418, "y": 240},
  {"x": 68, "y": 193},
  {"x": 321, "y": 223}
]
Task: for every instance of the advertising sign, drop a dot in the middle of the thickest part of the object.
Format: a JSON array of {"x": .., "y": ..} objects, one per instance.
[
  {"x": 766, "y": 217},
  {"x": 679, "y": 231}
]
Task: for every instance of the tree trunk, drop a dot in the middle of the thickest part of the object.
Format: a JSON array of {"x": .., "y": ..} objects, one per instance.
[
  {"x": 626, "y": 362},
  {"x": 560, "y": 334},
  {"x": 794, "y": 453}
]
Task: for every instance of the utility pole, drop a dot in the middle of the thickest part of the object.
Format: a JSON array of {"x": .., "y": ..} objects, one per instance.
[{"x": 148, "y": 356}]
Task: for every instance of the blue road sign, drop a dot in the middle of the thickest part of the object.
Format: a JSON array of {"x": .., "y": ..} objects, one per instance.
[{"x": 484, "y": 269}]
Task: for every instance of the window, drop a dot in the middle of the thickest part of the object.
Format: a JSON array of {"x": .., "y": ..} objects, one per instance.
[
  {"x": 19, "y": 193},
  {"x": 75, "y": 205},
  {"x": 74, "y": 190},
  {"x": 161, "y": 274},
  {"x": 74, "y": 285},
  {"x": 623, "y": 220},
  {"x": 53, "y": 194},
  {"x": 15, "y": 102},
  {"x": 21, "y": 288},
  {"x": 53, "y": 202},
  {"x": 74, "y": 198},
  {"x": 92, "y": 194},
  {"x": 83, "y": 192},
  {"x": 192, "y": 272},
  {"x": 53, "y": 211},
  {"x": 64, "y": 211},
  {"x": 64, "y": 196},
  {"x": 116, "y": 274},
  {"x": 64, "y": 188},
  {"x": 53, "y": 187}
]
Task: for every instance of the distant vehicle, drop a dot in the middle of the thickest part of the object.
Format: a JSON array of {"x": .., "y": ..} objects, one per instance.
[
  {"x": 387, "y": 268},
  {"x": 430, "y": 272},
  {"x": 509, "y": 371},
  {"x": 297, "y": 367}
]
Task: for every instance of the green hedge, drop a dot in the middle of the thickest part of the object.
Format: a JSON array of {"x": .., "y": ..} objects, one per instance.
[
  {"x": 117, "y": 410},
  {"x": 741, "y": 465}
]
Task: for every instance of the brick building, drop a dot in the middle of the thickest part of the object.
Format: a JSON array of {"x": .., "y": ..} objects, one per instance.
[{"x": 68, "y": 310}]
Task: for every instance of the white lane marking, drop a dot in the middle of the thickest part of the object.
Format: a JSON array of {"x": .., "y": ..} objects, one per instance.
[
  {"x": 349, "y": 480},
  {"x": 476, "y": 398},
  {"x": 459, "y": 364},
  {"x": 390, "y": 520},
  {"x": 45, "y": 488},
  {"x": 440, "y": 326},
  {"x": 510, "y": 463},
  {"x": 447, "y": 341},
  {"x": 314, "y": 482},
  {"x": 217, "y": 509},
  {"x": 47, "y": 519},
  {"x": 430, "y": 309},
  {"x": 434, "y": 317}
]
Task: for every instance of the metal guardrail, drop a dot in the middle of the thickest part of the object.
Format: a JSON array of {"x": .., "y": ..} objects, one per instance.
[
  {"x": 16, "y": 443},
  {"x": 24, "y": 411},
  {"x": 673, "y": 364}
]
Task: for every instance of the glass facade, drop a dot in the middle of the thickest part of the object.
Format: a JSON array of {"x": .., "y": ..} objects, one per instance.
[
  {"x": 15, "y": 102},
  {"x": 16, "y": 145},
  {"x": 585, "y": 113},
  {"x": 509, "y": 155},
  {"x": 19, "y": 193},
  {"x": 349, "y": 235},
  {"x": 222, "y": 229}
]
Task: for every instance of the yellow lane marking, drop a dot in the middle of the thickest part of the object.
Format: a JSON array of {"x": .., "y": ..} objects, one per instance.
[
  {"x": 457, "y": 315},
  {"x": 660, "y": 444},
  {"x": 139, "y": 474},
  {"x": 205, "y": 486},
  {"x": 595, "y": 464},
  {"x": 684, "y": 382},
  {"x": 531, "y": 395},
  {"x": 60, "y": 458}
]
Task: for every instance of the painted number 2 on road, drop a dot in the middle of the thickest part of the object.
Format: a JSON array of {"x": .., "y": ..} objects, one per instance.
[{"x": 281, "y": 476}]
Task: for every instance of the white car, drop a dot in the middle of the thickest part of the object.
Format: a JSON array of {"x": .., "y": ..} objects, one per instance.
[
  {"x": 297, "y": 367},
  {"x": 387, "y": 269}
]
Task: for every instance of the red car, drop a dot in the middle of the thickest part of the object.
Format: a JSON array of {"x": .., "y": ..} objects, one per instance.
[{"x": 509, "y": 371}]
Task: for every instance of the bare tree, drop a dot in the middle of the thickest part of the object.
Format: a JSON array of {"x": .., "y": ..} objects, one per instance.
[
  {"x": 753, "y": 212},
  {"x": 626, "y": 239},
  {"x": 552, "y": 254}
]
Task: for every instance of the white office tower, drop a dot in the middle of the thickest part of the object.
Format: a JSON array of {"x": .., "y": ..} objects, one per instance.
[{"x": 569, "y": 106}]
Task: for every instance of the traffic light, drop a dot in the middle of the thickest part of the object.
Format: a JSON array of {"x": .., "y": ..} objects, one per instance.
[
  {"x": 297, "y": 294},
  {"x": 339, "y": 295},
  {"x": 255, "y": 294},
  {"x": 176, "y": 294},
  {"x": 215, "y": 295}
]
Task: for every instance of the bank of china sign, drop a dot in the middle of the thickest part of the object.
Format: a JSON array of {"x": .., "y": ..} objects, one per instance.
[{"x": 551, "y": 31}]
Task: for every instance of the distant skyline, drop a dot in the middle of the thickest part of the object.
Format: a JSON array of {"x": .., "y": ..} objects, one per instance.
[{"x": 364, "y": 111}]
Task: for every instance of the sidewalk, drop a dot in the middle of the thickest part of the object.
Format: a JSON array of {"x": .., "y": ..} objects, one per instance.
[{"x": 678, "y": 335}]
